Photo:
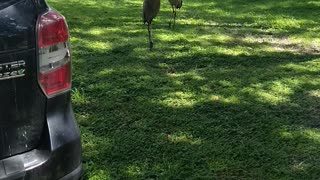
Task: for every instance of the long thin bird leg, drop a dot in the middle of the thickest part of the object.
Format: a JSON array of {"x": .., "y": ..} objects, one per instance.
[
  {"x": 174, "y": 18},
  {"x": 173, "y": 11},
  {"x": 150, "y": 36}
]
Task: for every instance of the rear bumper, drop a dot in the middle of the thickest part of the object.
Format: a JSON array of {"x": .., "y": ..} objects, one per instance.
[
  {"x": 74, "y": 175},
  {"x": 35, "y": 165},
  {"x": 59, "y": 153}
]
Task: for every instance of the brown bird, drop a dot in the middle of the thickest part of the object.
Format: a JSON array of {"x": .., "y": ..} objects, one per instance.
[
  {"x": 150, "y": 10},
  {"x": 175, "y": 4}
]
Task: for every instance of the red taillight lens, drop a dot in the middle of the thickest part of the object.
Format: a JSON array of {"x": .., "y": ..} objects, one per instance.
[
  {"x": 57, "y": 80},
  {"x": 53, "y": 29},
  {"x": 54, "y": 54}
]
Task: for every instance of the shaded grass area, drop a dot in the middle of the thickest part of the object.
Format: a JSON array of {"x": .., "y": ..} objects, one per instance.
[{"x": 231, "y": 93}]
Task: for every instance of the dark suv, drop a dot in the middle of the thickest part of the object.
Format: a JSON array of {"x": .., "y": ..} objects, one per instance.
[{"x": 39, "y": 138}]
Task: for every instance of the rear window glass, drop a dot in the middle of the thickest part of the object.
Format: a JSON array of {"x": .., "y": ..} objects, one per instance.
[{"x": 6, "y": 3}]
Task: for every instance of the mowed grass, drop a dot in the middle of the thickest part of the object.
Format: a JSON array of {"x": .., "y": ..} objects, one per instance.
[{"x": 233, "y": 92}]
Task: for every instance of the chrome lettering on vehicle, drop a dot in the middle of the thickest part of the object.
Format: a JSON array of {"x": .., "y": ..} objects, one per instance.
[{"x": 12, "y": 70}]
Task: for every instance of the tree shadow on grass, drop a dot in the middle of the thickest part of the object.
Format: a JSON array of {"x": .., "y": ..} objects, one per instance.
[
  {"x": 194, "y": 108},
  {"x": 222, "y": 120}
]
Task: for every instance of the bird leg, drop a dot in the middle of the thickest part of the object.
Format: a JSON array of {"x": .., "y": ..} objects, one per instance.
[
  {"x": 150, "y": 36},
  {"x": 172, "y": 17}
]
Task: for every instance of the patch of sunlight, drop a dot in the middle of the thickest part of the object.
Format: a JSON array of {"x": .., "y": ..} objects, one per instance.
[
  {"x": 78, "y": 97},
  {"x": 95, "y": 3},
  {"x": 294, "y": 83},
  {"x": 115, "y": 29},
  {"x": 217, "y": 11},
  {"x": 75, "y": 30},
  {"x": 314, "y": 3},
  {"x": 131, "y": 2},
  {"x": 286, "y": 135},
  {"x": 286, "y": 23},
  {"x": 310, "y": 36},
  {"x": 134, "y": 170},
  {"x": 290, "y": 134},
  {"x": 279, "y": 87},
  {"x": 92, "y": 45},
  {"x": 312, "y": 134},
  {"x": 199, "y": 49},
  {"x": 177, "y": 82},
  {"x": 225, "y": 83},
  {"x": 270, "y": 39},
  {"x": 180, "y": 99},
  {"x": 133, "y": 31},
  {"x": 198, "y": 5},
  {"x": 205, "y": 88},
  {"x": 203, "y": 40},
  {"x": 190, "y": 75},
  {"x": 106, "y": 71},
  {"x": 315, "y": 93},
  {"x": 230, "y": 100},
  {"x": 266, "y": 96},
  {"x": 219, "y": 38},
  {"x": 183, "y": 137},
  {"x": 195, "y": 21},
  {"x": 82, "y": 118},
  {"x": 100, "y": 45},
  {"x": 274, "y": 92},
  {"x": 235, "y": 51},
  {"x": 98, "y": 175},
  {"x": 310, "y": 66},
  {"x": 197, "y": 77},
  {"x": 96, "y": 31},
  {"x": 170, "y": 38},
  {"x": 163, "y": 65}
]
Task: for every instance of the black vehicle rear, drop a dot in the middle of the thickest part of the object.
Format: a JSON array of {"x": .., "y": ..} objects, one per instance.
[{"x": 39, "y": 138}]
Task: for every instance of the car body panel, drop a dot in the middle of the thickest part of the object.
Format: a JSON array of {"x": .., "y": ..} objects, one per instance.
[
  {"x": 22, "y": 107},
  {"x": 39, "y": 137}
]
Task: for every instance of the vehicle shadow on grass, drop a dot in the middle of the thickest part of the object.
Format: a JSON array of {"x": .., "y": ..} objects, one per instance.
[{"x": 213, "y": 100}]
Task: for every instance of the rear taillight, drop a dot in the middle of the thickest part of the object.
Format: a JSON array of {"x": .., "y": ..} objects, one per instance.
[{"x": 54, "y": 54}]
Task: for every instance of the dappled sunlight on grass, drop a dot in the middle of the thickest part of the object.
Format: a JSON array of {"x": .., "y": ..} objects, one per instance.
[
  {"x": 182, "y": 137},
  {"x": 315, "y": 93},
  {"x": 310, "y": 67},
  {"x": 134, "y": 171},
  {"x": 179, "y": 99},
  {"x": 105, "y": 72},
  {"x": 316, "y": 3},
  {"x": 232, "y": 92},
  {"x": 302, "y": 134},
  {"x": 313, "y": 135},
  {"x": 78, "y": 97},
  {"x": 226, "y": 100},
  {"x": 273, "y": 93}
]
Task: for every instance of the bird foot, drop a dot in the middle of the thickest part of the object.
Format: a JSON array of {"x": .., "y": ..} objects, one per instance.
[{"x": 151, "y": 45}]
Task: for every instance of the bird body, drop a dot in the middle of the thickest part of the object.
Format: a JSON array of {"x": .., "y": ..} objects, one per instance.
[
  {"x": 175, "y": 4},
  {"x": 150, "y": 10}
]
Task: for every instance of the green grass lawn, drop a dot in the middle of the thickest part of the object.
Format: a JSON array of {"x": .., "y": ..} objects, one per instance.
[{"x": 233, "y": 92}]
